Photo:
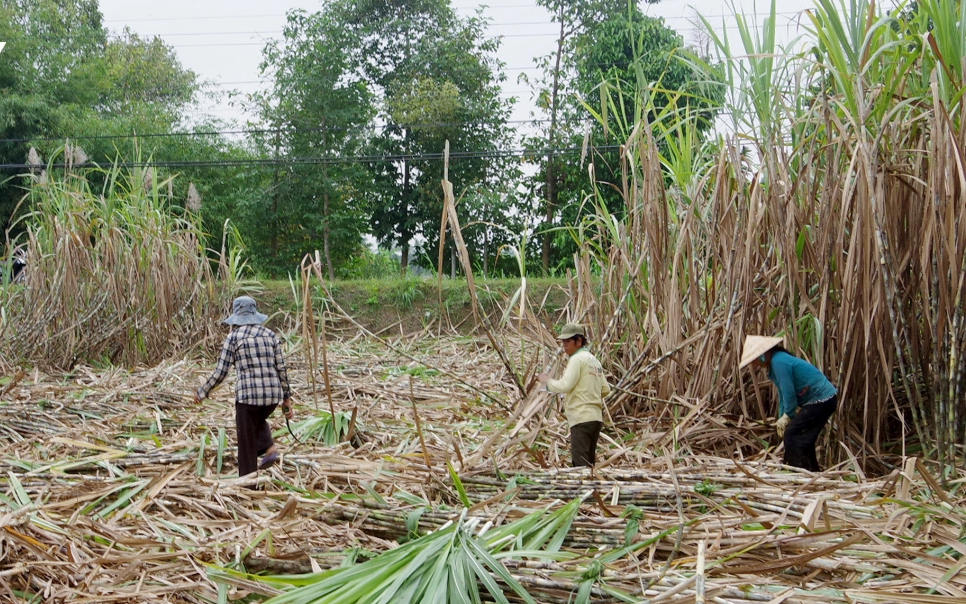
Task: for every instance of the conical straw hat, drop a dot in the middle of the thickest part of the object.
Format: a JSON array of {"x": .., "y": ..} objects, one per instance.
[{"x": 755, "y": 346}]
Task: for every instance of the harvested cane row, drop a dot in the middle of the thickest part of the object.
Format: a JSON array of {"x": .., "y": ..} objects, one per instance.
[{"x": 802, "y": 534}]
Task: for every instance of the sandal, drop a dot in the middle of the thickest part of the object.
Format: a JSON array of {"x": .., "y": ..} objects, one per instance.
[{"x": 268, "y": 461}]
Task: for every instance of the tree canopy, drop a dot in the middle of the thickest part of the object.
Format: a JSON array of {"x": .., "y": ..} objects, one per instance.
[
  {"x": 611, "y": 66},
  {"x": 318, "y": 112},
  {"x": 437, "y": 79},
  {"x": 363, "y": 96},
  {"x": 63, "y": 76}
]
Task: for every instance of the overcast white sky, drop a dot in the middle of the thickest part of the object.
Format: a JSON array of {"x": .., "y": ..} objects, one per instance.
[{"x": 221, "y": 40}]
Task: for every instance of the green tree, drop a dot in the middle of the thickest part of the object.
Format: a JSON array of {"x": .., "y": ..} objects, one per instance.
[
  {"x": 555, "y": 99},
  {"x": 140, "y": 73},
  {"x": 608, "y": 54},
  {"x": 633, "y": 69},
  {"x": 64, "y": 77},
  {"x": 438, "y": 81},
  {"x": 49, "y": 46},
  {"x": 319, "y": 110}
]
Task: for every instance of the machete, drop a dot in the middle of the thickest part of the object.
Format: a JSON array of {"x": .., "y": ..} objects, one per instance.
[{"x": 289, "y": 426}]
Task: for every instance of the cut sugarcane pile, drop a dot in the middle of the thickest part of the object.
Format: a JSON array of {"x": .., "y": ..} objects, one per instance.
[{"x": 118, "y": 489}]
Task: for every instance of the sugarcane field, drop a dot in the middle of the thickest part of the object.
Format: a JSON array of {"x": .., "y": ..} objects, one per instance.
[
  {"x": 119, "y": 489},
  {"x": 693, "y": 333}
]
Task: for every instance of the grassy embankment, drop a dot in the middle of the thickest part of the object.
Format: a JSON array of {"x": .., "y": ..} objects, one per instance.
[{"x": 413, "y": 303}]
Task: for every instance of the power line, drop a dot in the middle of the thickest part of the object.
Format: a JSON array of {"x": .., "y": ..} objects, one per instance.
[
  {"x": 220, "y": 17},
  {"x": 284, "y": 15},
  {"x": 268, "y": 80},
  {"x": 492, "y": 24},
  {"x": 527, "y": 68},
  {"x": 251, "y": 131},
  {"x": 681, "y": 30},
  {"x": 357, "y": 159},
  {"x": 262, "y": 43},
  {"x": 278, "y": 31},
  {"x": 48, "y": 37},
  {"x": 494, "y": 37}
]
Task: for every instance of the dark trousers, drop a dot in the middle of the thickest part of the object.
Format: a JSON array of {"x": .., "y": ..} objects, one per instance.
[
  {"x": 254, "y": 434},
  {"x": 583, "y": 443},
  {"x": 803, "y": 431}
]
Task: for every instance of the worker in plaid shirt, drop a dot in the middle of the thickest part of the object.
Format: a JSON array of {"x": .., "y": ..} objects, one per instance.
[{"x": 262, "y": 383}]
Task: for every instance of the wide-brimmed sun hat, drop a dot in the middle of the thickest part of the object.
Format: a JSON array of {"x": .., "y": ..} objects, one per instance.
[
  {"x": 244, "y": 311},
  {"x": 570, "y": 330},
  {"x": 755, "y": 346}
]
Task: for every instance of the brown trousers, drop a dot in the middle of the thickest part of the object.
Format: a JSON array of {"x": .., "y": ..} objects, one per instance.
[
  {"x": 583, "y": 443},
  {"x": 254, "y": 435}
]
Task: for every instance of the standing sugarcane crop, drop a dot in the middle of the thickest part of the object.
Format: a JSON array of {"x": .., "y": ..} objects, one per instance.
[
  {"x": 583, "y": 385},
  {"x": 262, "y": 383},
  {"x": 807, "y": 399}
]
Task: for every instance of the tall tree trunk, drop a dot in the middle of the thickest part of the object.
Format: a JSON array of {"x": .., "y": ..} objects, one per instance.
[
  {"x": 486, "y": 250},
  {"x": 551, "y": 190},
  {"x": 403, "y": 256},
  {"x": 326, "y": 212},
  {"x": 275, "y": 219},
  {"x": 548, "y": 218},
  {"x": 325, "y": 228},
  {"x": 405, "y": 236}
]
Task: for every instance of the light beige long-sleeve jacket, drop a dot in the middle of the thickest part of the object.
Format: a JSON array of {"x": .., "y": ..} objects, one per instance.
[{"x": 584, "y": 386}]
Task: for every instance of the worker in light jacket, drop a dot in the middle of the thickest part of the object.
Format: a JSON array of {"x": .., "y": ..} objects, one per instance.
[
  {"x": 807, "y": 399},
  {"x": 584, "y": 386}
]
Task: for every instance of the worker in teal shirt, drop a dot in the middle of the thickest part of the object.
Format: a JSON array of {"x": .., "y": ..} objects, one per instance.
[{"x": 807, "y": 399}]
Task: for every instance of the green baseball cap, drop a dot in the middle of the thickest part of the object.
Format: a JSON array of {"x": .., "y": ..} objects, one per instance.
[{"x": 570, "y": 330}]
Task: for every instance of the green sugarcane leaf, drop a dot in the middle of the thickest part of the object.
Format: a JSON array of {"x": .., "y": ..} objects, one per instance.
[
  {"x": 462, "y": 587},
  {"x": 584, "y": 592},
  {"x": 455, "y": 590},
  {"x": 620, "y": 595},
  {"x": 551, "y": 535},
  {"x": 408, "y": 591},
  {"x": 23, "y": 499},
  {"x": 365, "y": 586},
  {"x": 431, "y": 549},
  {"x": 487, "y": 580},
  {"x": 177, "y": 528},
  {"x": 412, "y": 522},
  {"x": 634, "y": 515},
  {"x": 375, "y": 495},
  {"x": 123, "y": 499},
  {"x": 438, "y": 581},
  {"x": 363, "y": 582},
  {"x": 482, "y": 555},
  {"x": 10, "y": 503},
  {"x": 258, "y": 539},
  {"x": 222, "y": 443},
  {"x": 409, "y": 498},
  {"x": 537, "y": 554},
  {"x": 562, "y": 524},
  {"x": 464, "y": 498},
  {"x": 200, "y": 463}
]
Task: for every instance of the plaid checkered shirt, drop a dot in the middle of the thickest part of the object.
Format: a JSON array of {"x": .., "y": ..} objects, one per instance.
[{"x": 257, "y": 355}]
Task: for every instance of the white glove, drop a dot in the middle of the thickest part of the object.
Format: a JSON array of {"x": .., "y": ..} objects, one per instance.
[{"x": 781, "y": 424}]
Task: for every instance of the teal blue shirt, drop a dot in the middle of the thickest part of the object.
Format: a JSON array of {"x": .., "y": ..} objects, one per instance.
[{"x": 799, "y": 383}]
